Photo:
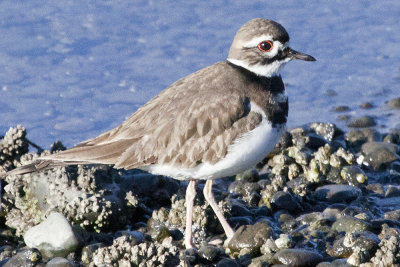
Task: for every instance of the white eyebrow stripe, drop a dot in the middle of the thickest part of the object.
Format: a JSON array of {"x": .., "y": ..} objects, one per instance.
[{"x": 256, "y": 40}]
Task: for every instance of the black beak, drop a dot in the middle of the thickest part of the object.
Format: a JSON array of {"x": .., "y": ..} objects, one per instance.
[{"x": 293, "y": 54}]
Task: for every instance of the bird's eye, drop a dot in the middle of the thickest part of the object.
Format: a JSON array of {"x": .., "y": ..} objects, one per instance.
[{"x": 265, "y": 46}]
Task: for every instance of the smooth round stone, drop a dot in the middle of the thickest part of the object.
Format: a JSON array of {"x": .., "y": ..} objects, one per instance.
[
  {"x": 297, "y": 257},
  {"x": 335, "y": 263},
  {"x": 250, "y": 236},
  {"x": 350, "y": 225},
  {"x": 284, "y": 200},
  {"x": 335, "y": 193},
  {"x": 380, "y": 154},
  {"x": 227, "y": 263},
  {"x": 394, "y": 103},
  {"x": 59, "y": 262},
  {"x": 209, "y": 253},
  {"x": 362, "y": 122},
  {"x": 28, "y": 257},
  {"x": 53, "y": 237}
]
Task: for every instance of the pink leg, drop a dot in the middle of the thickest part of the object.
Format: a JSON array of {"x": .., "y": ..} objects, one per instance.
[
  {"x": 190, "y": 195},
  {"x": 208, "y": 194}
]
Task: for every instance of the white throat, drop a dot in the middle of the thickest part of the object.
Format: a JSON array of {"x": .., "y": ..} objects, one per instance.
[{"x": 268, "y": 70}]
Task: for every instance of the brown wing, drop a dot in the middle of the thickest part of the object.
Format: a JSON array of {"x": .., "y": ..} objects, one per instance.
[{"x": 192, "y": 121}]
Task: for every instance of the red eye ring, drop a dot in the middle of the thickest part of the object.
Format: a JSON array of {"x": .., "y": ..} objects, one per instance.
[{"x": 265, "y": 46}]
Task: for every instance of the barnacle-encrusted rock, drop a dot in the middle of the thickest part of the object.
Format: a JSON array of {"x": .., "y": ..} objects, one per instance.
[
  {"x": 124, "y": 251},
  {"x": 69, "y": 190},
  {"x": 12, "y": 146}
]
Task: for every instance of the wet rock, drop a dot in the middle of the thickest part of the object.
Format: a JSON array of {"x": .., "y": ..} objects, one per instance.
[
  {"x": 388, "y": 253},
  {"x": 355, "y": 138},
  {"x": 87, "y": 252},
  {"x": 354, "y": 175},
  {"x": 335, "y": 263},
  {"x": 376, "y": 188},
  {"x": 341, "y": 108},
  {"x": 337, "y": 193},
  {"x": 366, "y": 105},
  {"x": 28, "y": 258},
  {"x": 60, "y": 262},
  {"x": 326, "y": 130},
  {"x": 53, "y": 237},
  {"x": 394, "y": 103},
  {"x": 261, "y": 261},
  {"x": 209, "y": 253},
  {"x": 284, "y": 241},
  {"x": 297, "y": 257},
  {"x": 248, "y": 176},
  {"x": 250, "y": 237},
  {"x": 363, "y": 245},
  {"x": 379, "y": 154},
  {"x": 392, "y": 191},
  {"x": 350, "y": 224},
  {"x": 284, "y": 200},
  {"x": 392, "y": 138},
  {"x": 392, "y": 215},
  {"x": 362, "y": 122},
  {"x": 226, "y": 262},
  {"x": 339, "y": 250}
]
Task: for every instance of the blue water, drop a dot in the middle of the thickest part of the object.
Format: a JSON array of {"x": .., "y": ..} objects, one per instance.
[{"x": 70, "y": 70}]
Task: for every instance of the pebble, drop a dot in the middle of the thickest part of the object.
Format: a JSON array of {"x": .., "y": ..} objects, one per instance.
[
  {"x": 29, "y": 257},
  {"x": 226, "y": 262},
  {"x": 284, "y": 200},
  {"x": 209, "y": 253},
  {"x": 341, "y": 108},
  {"x": 379, "y": 154},
  {"x": 335, "y": 193},
  {"x": 362, "y": 122},
  {"x": 297, "y": 257},
  {"x": 392, "y": 191},
  {"x": 250, "y": 236},
  {"x": 350, "y": 224},
  {"x": 59, "y": 262},
  {"x": 335, "y": 263},
  {"x": 53, "y": 237},
  {"x": 394, "y": 103}
]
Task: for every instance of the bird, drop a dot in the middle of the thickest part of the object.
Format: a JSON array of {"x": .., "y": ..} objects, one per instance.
[{"x": 216, "y": 122}]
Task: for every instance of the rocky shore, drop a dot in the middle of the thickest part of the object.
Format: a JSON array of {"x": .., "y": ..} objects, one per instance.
[{"x": 322, "y": 198}]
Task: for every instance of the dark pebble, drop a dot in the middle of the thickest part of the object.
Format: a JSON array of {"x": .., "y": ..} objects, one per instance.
[
  {"x": 28, "y": 257},
  {"x": 392, "y": 191},
  {"x": 335, "y": 263},
  {"x": 250, "y": 236},
  {"x": 297, "y": 257},
  {"x": 355, "y": 138},
  {"x": 394, "y": 103},
  {"x": 227, "y": 263},
  {"x": 284, "y": 200},
  {"x": 341, "y": 108},
  {"x": 366, "y": 105},
  {"x": 354, "y": 175},
  {"x": 337, "y": 193},
  {"x": 392, "y": 138},
  {"x": 343, "y": 117},
  {"x": 392, "y": 215},
  {"x": 60, "y": 262},
  {"x": 339, "y": 250},
  {"x": 379, "y": 154},
  {"x": 362, "y": 122},
  {"x": 376, "y": 188},
  {"x": 248, "y": 176},
  {"x": 350, "y": 224},
  {"x": 209, "y": 253}
]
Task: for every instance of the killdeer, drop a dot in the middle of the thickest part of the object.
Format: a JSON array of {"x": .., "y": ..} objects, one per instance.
[{"x": 216, "y": 122}]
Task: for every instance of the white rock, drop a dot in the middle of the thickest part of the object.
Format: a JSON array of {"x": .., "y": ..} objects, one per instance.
[{"x": 54, "y": 237}]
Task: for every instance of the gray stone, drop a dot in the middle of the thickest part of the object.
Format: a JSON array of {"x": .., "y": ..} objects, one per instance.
[
  {"x": 59, "y": 262},
  {"x": 53, "y": 237},
  {"x": 250, "y": 236},
  {"x": 380, "y": 154},
  {"x": 394, "y": 103},
  {"x": 26, "y": 258},
  {"x": 297, "y": 257},
  {"x": 350, "y": 225},
  {"x": 337, "y": 193},
  {"x": 284, "y": 200},
  {"x": 362, "y": 122}
]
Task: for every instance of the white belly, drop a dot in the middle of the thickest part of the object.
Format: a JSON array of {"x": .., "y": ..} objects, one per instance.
[{"x": 246, "y": 151}]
